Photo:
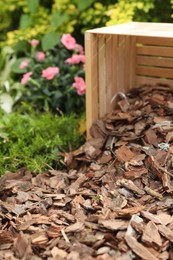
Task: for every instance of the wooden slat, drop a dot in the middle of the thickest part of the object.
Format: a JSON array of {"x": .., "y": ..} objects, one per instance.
[
  {"x": 91, "y": 80},
  {"x": 114, "y": 69},
  {"x": 155, "y": 61},
  {"x": 154, "y": 41},
  {"x": 154, "y": 50},
  {"x": 149, "y": 80},
  {"x": 130, "y": 62},
  {"x": 120, "y": 86},
  {"x": 102, "y": 73},
  {"x": 154, "y": 72},
  {"x": 127, "y": 61},
  {"x": 108, "y": 74}
]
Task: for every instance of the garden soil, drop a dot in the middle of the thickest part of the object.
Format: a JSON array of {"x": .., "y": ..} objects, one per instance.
[{"x": 113, "y": 201}]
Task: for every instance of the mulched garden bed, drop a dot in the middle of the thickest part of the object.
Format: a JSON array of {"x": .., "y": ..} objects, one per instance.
[{"x": 115, "y": 201}]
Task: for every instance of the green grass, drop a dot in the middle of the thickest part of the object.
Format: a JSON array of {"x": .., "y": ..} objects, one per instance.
[{"x": 34, "y": 140}]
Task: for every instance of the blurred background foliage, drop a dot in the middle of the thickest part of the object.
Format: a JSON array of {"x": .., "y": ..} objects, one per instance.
[{"x": 25, "y": 19}]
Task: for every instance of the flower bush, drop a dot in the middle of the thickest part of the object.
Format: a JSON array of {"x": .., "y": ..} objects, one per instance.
[{"x": 55, "y": 79}]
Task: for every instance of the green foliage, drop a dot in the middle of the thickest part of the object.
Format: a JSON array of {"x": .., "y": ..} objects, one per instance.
[
  {"x": 37, "y": 18},
  {"x": 33, "y": 140},
  {"x": 26, "y": 19},
  {"x": 23, "y": 20},
  {"x": 142, "y": 11}
]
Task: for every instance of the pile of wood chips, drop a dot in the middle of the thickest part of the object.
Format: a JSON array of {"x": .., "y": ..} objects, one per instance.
[{"x": 115, "y": 201}]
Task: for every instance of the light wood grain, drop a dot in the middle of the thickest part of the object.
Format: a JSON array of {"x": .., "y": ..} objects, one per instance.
[
  {"x": 155, "y": 51},
  {"x": 91, "y": 73},
  {"x": 154, "y": 41},
  {"x": 114, "y": 68},
  {"x": 155, "y": 72},
  {"x": 102, "y": 75},
  {"x": 121, "y": 63},
  {"x": 140, "y": 80},
  {"x": 154, "y": 61},
  {"x": 130, "y": 62},
  {"x": 108, "y": 71}
]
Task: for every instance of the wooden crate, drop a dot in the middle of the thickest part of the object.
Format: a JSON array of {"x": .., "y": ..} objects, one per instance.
[{"x": 122, "y": 57}]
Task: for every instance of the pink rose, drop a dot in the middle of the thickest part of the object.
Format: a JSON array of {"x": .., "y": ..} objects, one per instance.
[
  {"x": 24, "y": 64},
  {"x": 68, "y": 41},
  {"x": 34, "y": 42},
  {"x": 76, "y": 58},
  {"x": 40, "y": 55},
  {"x": 79, "y": 48},
  {"x": 79, "y": 84},
  {"x": 26, "y": 77},
  {"x": 50, "y": 72}
]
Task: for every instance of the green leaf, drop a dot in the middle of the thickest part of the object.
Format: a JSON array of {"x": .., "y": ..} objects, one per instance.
[
  {"x": 58, "y": 19},
  {"x": 82, "y": 5},
  {"x": 25, "y": 21},
  {"x": 21, "y": 45},
  {"x": 49, "y": 40},
  {"x": 15, "y": 67},
  {"x": 33, "y": 5}
]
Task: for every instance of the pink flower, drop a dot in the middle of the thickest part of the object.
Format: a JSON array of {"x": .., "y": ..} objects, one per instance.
[
  {"x": 24, "y": 64},
  {"x": 34, "y": 42},
  {"x": 79, "y": 48},
  {"x": 76, "y": 58},
  {"x": 68, "y": 41},
  {"x": 26, "y": 77},
  {"x": 79, "y": 84},
  {"x": 40, "y": 55},
  {"x": 50, "y": 72}
]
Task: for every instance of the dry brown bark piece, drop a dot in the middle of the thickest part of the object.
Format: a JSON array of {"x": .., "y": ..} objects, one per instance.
[
  {"x": 113, "y": 224},
  {"x": 124, "y": 154},
  {"x": 39, "y": 238},
  {"x": 139, "y": 127},
  {"x": 127, "y": 212},
  {"x": 133, "y": 174},
  {"x": 73, "y": 188},
  {"x": 151, "y": 137},
  {"x": 25, "y": 225},
  {"x": 139, "y": 227},
  {"x": 154, "y": 218},
  {"x": 166, "y": 232},
  {"x": 22, "y": 247},
  {"x": 153, "y": 193},
  {"x": 139, "y": 249},
  {"x": 5, "y": 237},
  {"x": 58, "y": 253},
  {"x": 131, "y": 186},
  {"x": 169, "y": 137},
  {"x": 54, "y": 230},
  {"x": 151, "y": 236},
  {"x": 165, "y": 218},
  {"x": 76, "y": 227}
]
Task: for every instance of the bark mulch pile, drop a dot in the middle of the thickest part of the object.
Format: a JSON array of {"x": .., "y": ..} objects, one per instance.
[{"x": 114, "y": 201}]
